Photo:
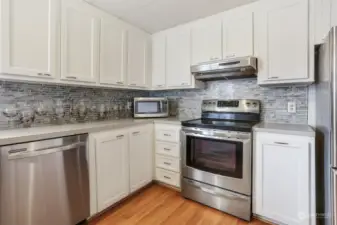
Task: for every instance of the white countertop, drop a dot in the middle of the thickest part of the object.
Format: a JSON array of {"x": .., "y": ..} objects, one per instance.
[
  {"x": 14, "y": 136},
  {"x": 291, "y": 129}
]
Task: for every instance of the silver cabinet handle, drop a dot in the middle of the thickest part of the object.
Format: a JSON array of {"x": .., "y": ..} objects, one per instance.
[
  {"x": 166, "y": 163},
  {"x": 132, "y": 84},
  {"x": 230, "y": 55},
  {"x": 119, "y": 82},
  {"x": 160, "y": 85},
  {"x": 120, "y": 136},
  {"x": 281, "y": 143},
  {"x": 167, "y": 135},
  {"x": 71, "y": 77},
  {"x": 166, "y": 177},
  {"x": 273, "y": 77},
  {"x": 167, "y": 149},
  {"x": 44, "y": 74},
  {"x": 135, "y": 133},
  {"x": 184, "y": 84}
]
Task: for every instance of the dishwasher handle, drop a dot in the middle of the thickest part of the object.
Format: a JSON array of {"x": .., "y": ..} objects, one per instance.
[{"x": 24, "y": 153}]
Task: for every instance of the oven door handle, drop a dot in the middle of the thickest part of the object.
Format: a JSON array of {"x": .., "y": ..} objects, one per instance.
[
  {"x": 231, "y": 196},
  {"x": 216, "y": 138}
]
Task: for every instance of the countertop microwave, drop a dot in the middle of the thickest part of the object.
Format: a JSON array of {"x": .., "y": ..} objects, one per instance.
[{"x": 150, "y": 107}]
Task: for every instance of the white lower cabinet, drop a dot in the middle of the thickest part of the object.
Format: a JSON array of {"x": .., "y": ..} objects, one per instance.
[
  {"x": 167, "y": 154},
  {"x": 284, "y": 178},
  {"x": 141, "y": 156},
  {"x": 112, "y": 167},
  {"x": 120, "y": 162}
]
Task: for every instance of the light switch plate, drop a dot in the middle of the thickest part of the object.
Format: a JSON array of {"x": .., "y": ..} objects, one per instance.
[{"x": 291, "y": 107}]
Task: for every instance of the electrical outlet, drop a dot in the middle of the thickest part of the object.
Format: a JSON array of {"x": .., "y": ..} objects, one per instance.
[{"x": 291, "y": 107}]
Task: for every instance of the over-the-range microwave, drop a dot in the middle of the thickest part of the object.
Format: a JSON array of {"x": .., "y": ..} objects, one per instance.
[{"x": 150, "y": 107}]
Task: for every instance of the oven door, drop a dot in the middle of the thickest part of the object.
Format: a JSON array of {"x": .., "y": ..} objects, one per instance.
[{"x": 216, "y": 159}]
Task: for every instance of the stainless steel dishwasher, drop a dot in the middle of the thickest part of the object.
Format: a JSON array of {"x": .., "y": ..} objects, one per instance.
[{"x": 45, "y": 182}]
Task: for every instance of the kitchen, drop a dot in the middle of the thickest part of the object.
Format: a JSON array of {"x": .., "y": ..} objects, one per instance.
[{"x": 239, "y": 135}]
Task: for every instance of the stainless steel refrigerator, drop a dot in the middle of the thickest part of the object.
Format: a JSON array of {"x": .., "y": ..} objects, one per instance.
[{"x": 326, "y": 127}]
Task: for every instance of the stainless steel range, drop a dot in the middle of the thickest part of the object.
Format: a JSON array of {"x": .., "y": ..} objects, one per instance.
[{"x": 217, "y": 155}]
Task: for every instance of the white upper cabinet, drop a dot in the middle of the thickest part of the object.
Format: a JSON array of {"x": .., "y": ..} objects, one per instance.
[
  {"x": 324, "y": 18},
  {"x": 113, "y": 53},
  {"x": 178, "y": 57},
  {"x": 138, "y": 58},
  {"x": 282, "y": 42},
  {"x": 238, "y": 33},
  {"x": 79, "y": 43},
  {"x": 206, "y": 40},
  {"x": 29, "y": 37},
  {"x": 159, "y": 60},
  {"x": 284, "y": 172},
  {"x": 112, "y": 167},
  {"x": 141, "y": 156}
]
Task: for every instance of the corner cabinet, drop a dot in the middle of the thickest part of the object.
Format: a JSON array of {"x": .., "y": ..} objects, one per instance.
[
  {"x": 158, "y": 61},
  {"x": 138, "y": 70},
  {"x": 29, "y": 38},
  {"x": 141, "y": 156},
  {"x": 282, "y": 42},
  {"x": 79, "y": 43},
  {"x": 112, "y": 167},
  {"x": 284, "y": 178}
]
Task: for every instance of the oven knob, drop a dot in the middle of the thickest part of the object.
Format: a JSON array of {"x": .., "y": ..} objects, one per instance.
[
  {"x": 248, "y": 104},
  {"x": 254, "y": 104}
]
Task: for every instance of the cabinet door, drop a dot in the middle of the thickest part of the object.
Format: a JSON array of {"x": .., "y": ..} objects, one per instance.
[
  {"x": 178, "y": 54},
  {"x": 141, "y": 157},
  {"x": 30, "y": 37},
  {"x": 333, "y": 11},
  {"x": 282, "y": 178},
  {"x": 159, "y": 60},
  {"x": 206, "y": 40},
  {"x": 112, "y": 168},
  {"x": 325, "y": 11},
  {"x": 79, "y": 43},
  {"x": 238, "y": 34},
  {"x": 282, "y": 41},
  {"x": 113, "y": 52},
  {"x": 138, "y": 57}
]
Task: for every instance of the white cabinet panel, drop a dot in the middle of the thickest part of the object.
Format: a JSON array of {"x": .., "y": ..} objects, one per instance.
[
  {"x": 30, "y": 37},
  {"x": 159, "y": 60},
  {"x": 282, "y": 41},
  {"x": 79, "y": 43},
  {"x": 141, "y": 156},
  {"x": 333, "y": 12},
  {"x": 113, "y": 54},
  {"x": 112, "y": 168},
  {"x": 324, "y": 18},
  {"x": 206, "y": 40},
  {"x": 283, "y": 172},
  {"x": 138, "y": 58},
  {"x": 238, "y": 34},
  {"x": 178, "y": 54}
]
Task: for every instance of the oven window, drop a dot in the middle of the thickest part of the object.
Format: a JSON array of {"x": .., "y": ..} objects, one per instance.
[
  {"x": 215, "y": 156},
  {"x": 147, "y": 107}
]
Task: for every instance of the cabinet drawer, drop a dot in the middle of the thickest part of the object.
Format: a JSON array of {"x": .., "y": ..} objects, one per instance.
[
  {"x": 168, "y": 163},
  {"x": 167, "y": 133},
  {"x": 169, "y": 149},
  {"x": 168, "y": 177}
]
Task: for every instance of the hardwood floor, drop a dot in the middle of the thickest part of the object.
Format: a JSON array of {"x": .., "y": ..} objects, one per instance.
[{"x": 158, "y": 205}]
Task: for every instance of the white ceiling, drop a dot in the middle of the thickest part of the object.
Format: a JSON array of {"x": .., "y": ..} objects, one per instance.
[{"x": 156, "y": 15}]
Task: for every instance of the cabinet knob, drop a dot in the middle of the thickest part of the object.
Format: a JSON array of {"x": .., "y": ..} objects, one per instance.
[
  {"x": 167, "y": 149},
  {"x": 166, "y": 163},
  {"x": 120, "y": 136},
  {"x": 44, "y": 74},
  {"x": 135, "y": 133}
]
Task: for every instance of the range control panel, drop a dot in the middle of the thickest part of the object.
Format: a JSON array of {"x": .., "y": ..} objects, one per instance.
[{"x": 243, "y": 106}]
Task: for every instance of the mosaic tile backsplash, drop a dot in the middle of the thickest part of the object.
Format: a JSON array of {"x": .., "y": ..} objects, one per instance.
[
  {"x": 274, "y": 99},
  {"x": 53, "y": 104}
]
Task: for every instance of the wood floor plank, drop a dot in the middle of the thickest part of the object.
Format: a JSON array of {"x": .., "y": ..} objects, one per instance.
[{"x": 158, "y": 205}]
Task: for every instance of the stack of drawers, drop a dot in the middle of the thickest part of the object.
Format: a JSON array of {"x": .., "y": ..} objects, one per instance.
[{"x": 168, "y": 154}]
